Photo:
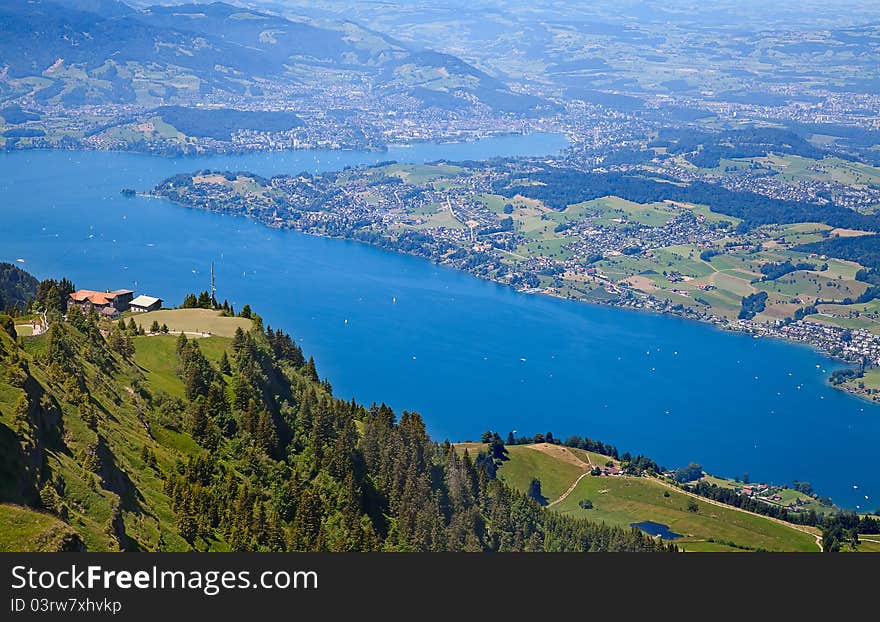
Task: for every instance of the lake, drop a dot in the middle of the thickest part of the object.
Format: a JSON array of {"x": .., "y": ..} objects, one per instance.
[
  {"x": 656, "y": 529},
  {"x": 467, "y": 354}
]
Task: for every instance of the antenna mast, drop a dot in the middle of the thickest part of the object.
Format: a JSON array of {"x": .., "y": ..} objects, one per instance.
[{"x": 213, "y": 287}]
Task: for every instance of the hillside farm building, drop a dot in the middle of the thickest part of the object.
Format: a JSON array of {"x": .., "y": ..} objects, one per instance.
[
  {"x": 107, "y": 304},
  {"x": 142, "y": 304}
]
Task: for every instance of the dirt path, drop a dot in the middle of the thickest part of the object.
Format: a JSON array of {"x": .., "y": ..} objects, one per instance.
[
  {"x": 562, "y": 453},
  {"x": 569, "y": 491}
]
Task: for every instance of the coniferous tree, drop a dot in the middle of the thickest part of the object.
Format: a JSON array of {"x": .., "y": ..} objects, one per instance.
[
  {"x": 190, "y": 302},
  {"x": 534, "y": 493},
  {"x": 21, "y": 418},
  {"x": 311, "y": 371}
]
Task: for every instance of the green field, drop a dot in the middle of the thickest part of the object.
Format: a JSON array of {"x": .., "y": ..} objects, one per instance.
[
  {"x": 555, "y": 474},
  {"x": 625, "y": 500},
  {"x": 193, "y": 321},
  {"x": 156, "y": 356},
  {"x": 795, "y": 168},
  {"x": 868, "y": 385},
  {"x": 862, "y": 323},
  {"x": 869, "y": 544},
  {"x": 622, "y": 500},
  {"x": 24, "y": 330},
  {"x": 420, "y": 174},
  {"x": 24, "y": 529}
]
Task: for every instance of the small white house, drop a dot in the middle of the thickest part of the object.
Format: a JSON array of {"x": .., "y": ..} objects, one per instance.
[{"x": 142, "y": 304}]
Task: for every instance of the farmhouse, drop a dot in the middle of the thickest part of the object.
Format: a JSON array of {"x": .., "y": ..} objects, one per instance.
[
  {"x": 610, "y": 470},
  {"x": 108, "y": 304},
  {"x": 142, "y": 304}
]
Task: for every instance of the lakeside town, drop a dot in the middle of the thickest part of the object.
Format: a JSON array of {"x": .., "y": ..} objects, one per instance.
[{"x": 664, "y": 257}]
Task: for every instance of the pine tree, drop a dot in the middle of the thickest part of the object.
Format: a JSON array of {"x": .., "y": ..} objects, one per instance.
[
  {"x": 127, "y": 347},
  {"x": 50, "y": 499},
  {"x": 204, "y": 300},
  {"x": 116, "y": 340},
  {"x": 311, "y": 371},
  {"x": 198, "y": 422},
  {"x": 305, "y": 529},
  {"x": 190, "y": 302},
  {"x": 187, "y": 527},
  {"x": 21, "y": 419},
  {"x": 535, "y": 493},
  {"x": 266, "y": 434},
  {"x": 238, "y": 340},
  {"x": 89, "y": 415}
]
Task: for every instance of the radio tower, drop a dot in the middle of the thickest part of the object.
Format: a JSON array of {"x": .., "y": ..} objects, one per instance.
[{"x": 213, "y": 288}]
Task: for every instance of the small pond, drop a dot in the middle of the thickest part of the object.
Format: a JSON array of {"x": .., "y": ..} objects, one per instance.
[{"x": 656, "y": 529}]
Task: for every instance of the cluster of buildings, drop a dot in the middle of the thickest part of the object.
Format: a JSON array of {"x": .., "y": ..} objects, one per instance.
[
  {"x": 765, "y": 493},
  {"x": 109, "y": 304},
  {"x": 847, "y": 344},
  {"x": 339, "y": 110}
]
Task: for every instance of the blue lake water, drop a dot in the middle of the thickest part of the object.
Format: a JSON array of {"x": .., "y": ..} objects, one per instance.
[
  {"x": 656, "y": 529},
  {"x": 466, "y": 353}
]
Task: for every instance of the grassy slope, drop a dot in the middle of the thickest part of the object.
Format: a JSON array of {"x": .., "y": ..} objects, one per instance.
[
  {"x": 556, "y": 474},
  {"x": 138, "y": 492},
  {"x": 869, "y": 544},
  {"x": 625, "y": 500},
  {"x": 24, "y": 529},
  {"x": 157, "y": 358}
]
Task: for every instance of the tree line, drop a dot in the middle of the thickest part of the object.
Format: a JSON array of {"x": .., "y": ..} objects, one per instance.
[
  {"x": 312, "y": 481},
  {"x": 559, "y": 188}
]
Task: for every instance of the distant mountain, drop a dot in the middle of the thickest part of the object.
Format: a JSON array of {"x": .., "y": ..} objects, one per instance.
[
  {"x": 79, "y": 52},
  {"x": 104, "y": 8}
]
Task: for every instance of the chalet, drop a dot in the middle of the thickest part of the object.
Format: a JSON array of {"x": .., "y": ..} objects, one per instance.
[
  {"x": 142, "y": 304},
  {"x": 108, "y": 304}
]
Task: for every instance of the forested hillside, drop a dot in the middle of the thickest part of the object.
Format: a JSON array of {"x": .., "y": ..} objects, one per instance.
[
  {"x": 113, "y": 438},
  {"x": 17, "y": 287}
]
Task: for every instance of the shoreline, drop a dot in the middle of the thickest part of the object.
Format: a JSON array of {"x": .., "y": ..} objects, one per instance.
[
  {"x": 217, "y": 152},
  {"x": 759, "y": 331}
]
